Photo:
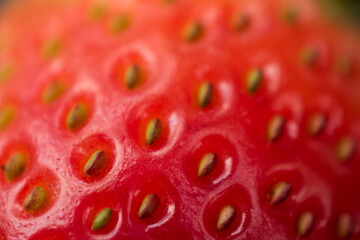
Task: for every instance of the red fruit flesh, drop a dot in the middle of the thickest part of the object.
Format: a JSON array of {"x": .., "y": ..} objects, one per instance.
[{"x": 139, "y": 93}]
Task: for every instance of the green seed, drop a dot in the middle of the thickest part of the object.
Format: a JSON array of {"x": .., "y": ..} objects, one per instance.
[
  {"x": 119, "y": 24},
  {"x": 97, "y": 12},
  {"x": 35, "y": 200},
  {"x": 344, "y": 226},
  {"x": 153, "y": 131},
  {"x": 51, "y": 48},
  {"x": 205, "y": 94},
  {"x": 192, "y": 32},
  {"x": 132, "y": 76},
  {"x": 207, "y": 164},
  {"x": 344, "y": 65},
  {"x": 308, "y": 56},
  {"x": 168, "y": 1},
  {"x": 290, "y": 14},
  {"x": 6, "y": 115},
  {"x": 254, "y": 80},
  {"x": 148, "y": 206},
  {"x": 95, "y": 163},
  {"x": 275, "y": 128},
  {"x": 77, "y": 117},
  {"x": 345, "y": 148},
  {"x": 102, "y": 219},
  {"x": 6, "y": 71},
  {"x": 316, "y": 124},
  {"x": 15, "y": 166},
  {"x": 226, "y": 217},
  {"x": 280, "y": 192},
  {"x": 241, "y": 22},
  {"x": 52, "y": 92},
  {"x": 305, "y": 224}
]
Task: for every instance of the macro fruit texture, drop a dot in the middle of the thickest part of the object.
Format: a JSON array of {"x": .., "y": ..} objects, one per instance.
[{"x": 178, "y": 120}]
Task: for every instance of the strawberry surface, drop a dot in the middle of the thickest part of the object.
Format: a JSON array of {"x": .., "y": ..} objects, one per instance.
[{"x": 178, "y": 119}]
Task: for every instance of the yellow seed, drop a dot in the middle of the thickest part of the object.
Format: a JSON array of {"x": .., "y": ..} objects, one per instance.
[
  {"x": 77, "y": 117},
  {"x": 15, "y": 166},
  {"x": 35, "y": 200},
  {"x": 6, "y": 71},
  {"x": 52, "y": 92},
  {"x": 119, "y": 24},
  {"x": 205, "y": 94},
  {"x": 207, "y": 164},
  {"x": 153, "y": 131},
  {"x": 345, "y": 148},
  {"x": 344, "y": 226},
  {"x": 316, "y": 124},
  {"x": 6, "y": 115},
  {"x": 148, "y": 205},
  {"x": 226, "y": 217},
  {"x": 280, "y": 192},
  {"x": 192, "y": 32},
  {"x": 254, "y": 80},
  {"x": 275, "y": 128},
  {"x": 97, "y": 12},
  {"x": 51, "y": 48}
]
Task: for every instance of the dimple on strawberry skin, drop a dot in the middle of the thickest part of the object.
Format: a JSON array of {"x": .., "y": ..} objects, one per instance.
[{"x": 178, "y": 119}]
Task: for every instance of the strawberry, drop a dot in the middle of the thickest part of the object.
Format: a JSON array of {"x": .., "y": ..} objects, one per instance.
[{"x": 178, "y": 120}]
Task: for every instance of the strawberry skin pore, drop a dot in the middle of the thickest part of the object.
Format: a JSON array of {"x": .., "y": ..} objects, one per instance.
[{"x": 178, "y": 119}]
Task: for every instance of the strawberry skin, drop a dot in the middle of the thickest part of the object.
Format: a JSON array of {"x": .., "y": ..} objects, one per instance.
[{"x": 178, "y": 119}]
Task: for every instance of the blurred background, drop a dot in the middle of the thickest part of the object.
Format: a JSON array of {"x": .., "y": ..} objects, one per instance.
[{"x": 340, "y": 10}]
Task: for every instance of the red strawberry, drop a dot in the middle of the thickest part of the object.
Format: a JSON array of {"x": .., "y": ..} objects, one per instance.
[{"x": 178, "y": 120}]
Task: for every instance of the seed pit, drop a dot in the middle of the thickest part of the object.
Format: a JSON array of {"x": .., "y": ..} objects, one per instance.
[
  {"x": 38, "y": 195},
  {"x": 92, "y": 158},
  {"x": 153, "y": 201},
  {"x": 131, "y": 70},
  {"x": 228, "y": 213},
  {"x": 210, "y": 161}
]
